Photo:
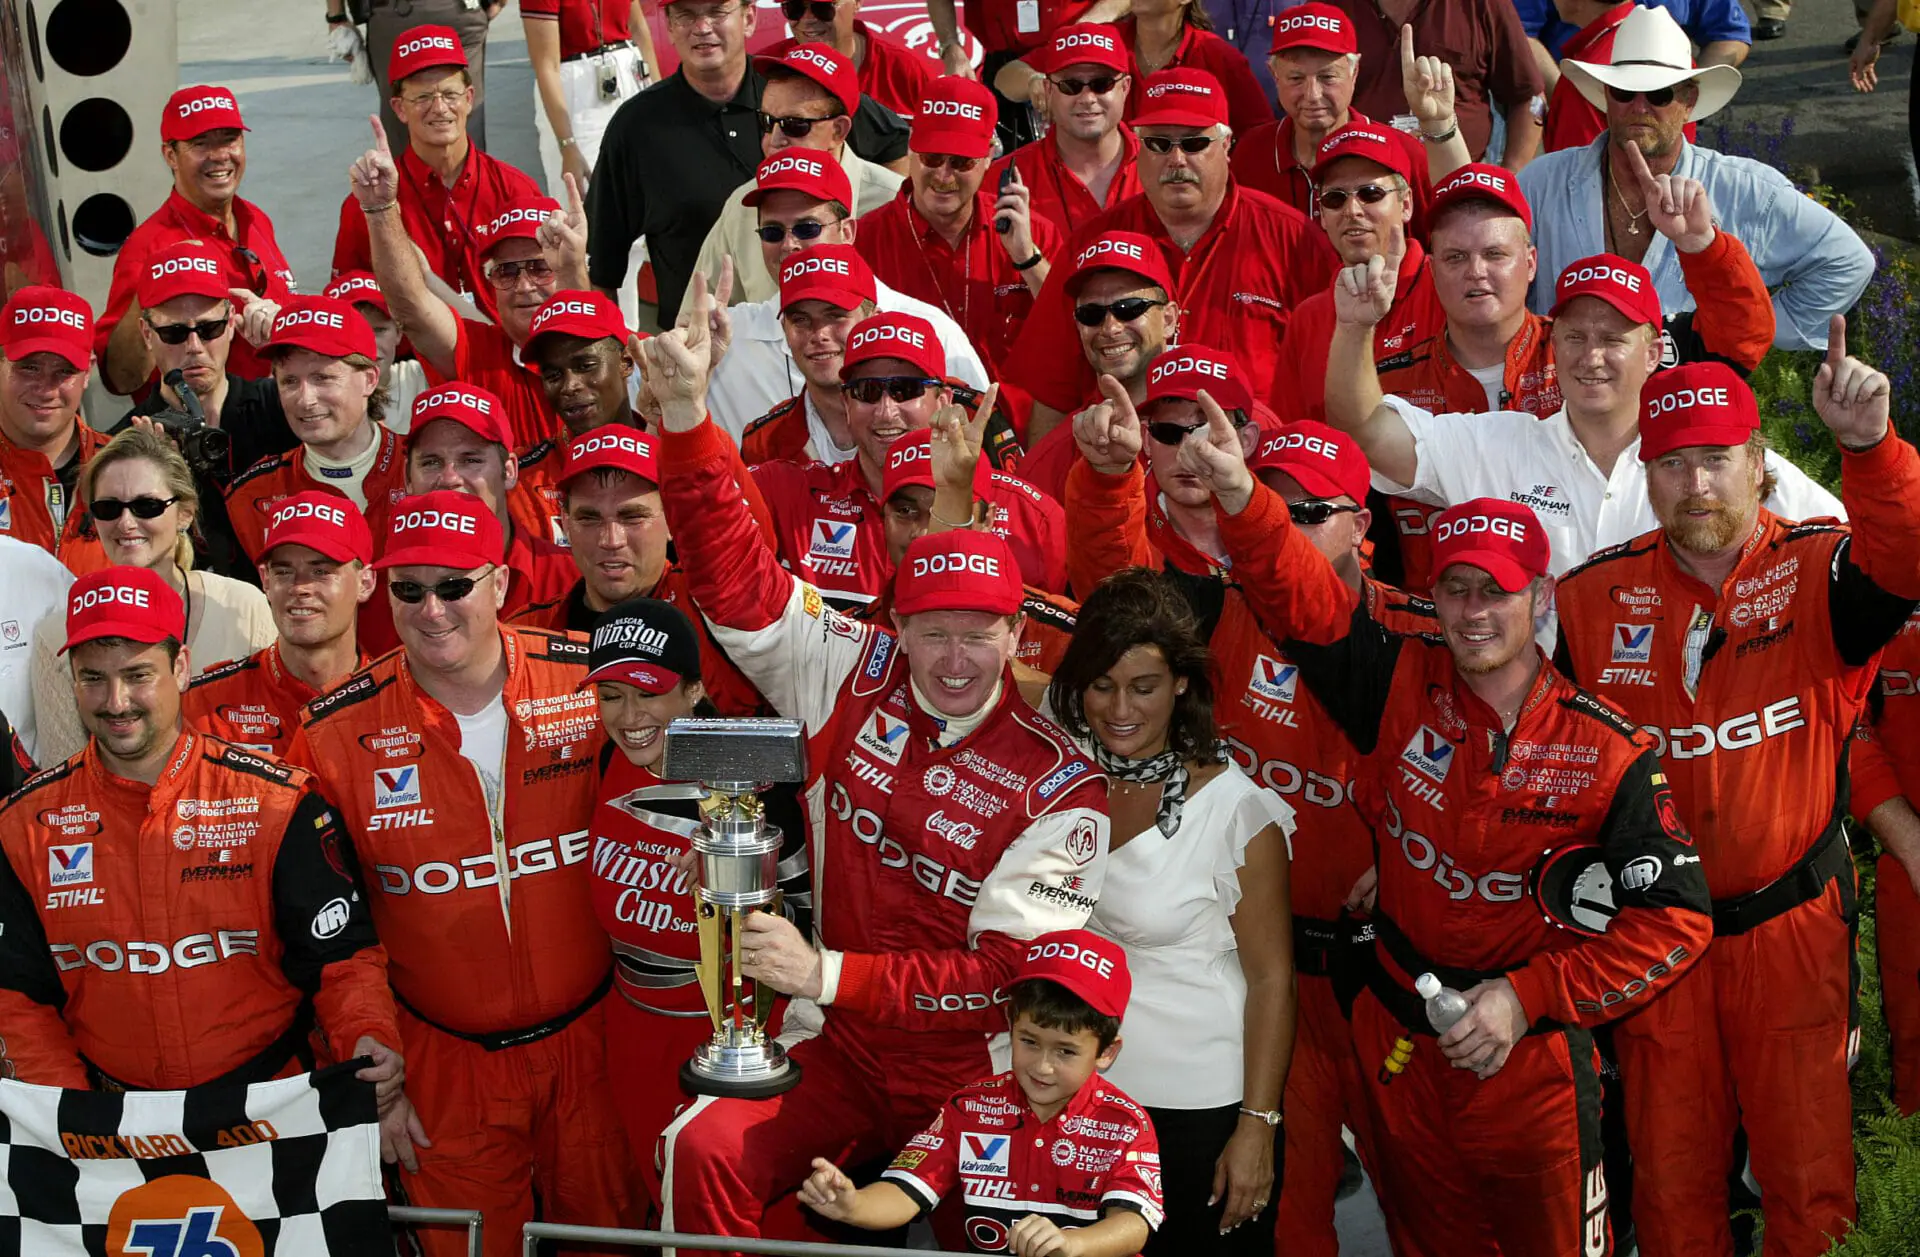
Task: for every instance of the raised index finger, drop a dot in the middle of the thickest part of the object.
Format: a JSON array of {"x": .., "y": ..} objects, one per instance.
[
  {"x": 1637, "y": 164},
  {"x": 379, "y": 135},
  {"x": 1836, "y": 341},
  {"x": 1406, "y": 50},
  {"x": 576, "y": 209}
]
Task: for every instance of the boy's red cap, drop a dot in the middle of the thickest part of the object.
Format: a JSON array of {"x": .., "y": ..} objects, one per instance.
[{"x": 1092, "y": 967}]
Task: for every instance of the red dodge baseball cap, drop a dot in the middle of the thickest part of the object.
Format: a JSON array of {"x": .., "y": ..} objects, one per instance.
[
  {"x": 1624, "y": 285},
  {"x": 1366, "y": 140},
  {"x": 624, "y": 449},
  {"x": 320, "y": 521},
  {"x": 801, "y": 170},
  {"x": 590, "y": 315},
  {"x": 469, "y": 405},
  {"x": 1181, "y": 373},
  {"x": 1695, "y": 403},
  {"x": 1122, "y": 251},
  {"x": 195, "y": 111},
  {"x": 1324, "y": 461},
  {"x": 956, "y": 117},
  {"x": 520, "y": 220},
  {"x": 1495, "y": 185},
  {"x": 186, "y": 268},
  {"x": 330, "y": 328},
  {"x": 130, "y": 602},
  {"x": 905, "y": 336},
  {"x": 356, "y": 287},
  {"x": 909, "y": 463},
  {"x": 1092, "y": 967},
  {"x": 1503, "y": 539},
  {"x": 1181, "y": 98},
  {"x": 1087, "y": 44},
  {"x": 443, "y": 528},
  {"x": 1320, "y": 26},
  {"x": 40, "y": 319},
  {"x": 824, "y": 65},
  {"x": 833, "y": 273},
  {"x": 962, "y": 570},
  {"x": 422, "y": 48}
]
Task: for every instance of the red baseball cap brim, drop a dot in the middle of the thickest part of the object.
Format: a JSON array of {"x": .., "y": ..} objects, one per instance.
[
  {"x": 70, "y": 352},
  {"x": 1505, "y": 570},
  {"x": 645, "y": 677}
]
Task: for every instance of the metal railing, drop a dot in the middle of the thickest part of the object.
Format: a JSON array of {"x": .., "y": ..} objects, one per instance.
[
  {"x": 408, "y": 1215},
  {"x": 534, "y": 1232}
]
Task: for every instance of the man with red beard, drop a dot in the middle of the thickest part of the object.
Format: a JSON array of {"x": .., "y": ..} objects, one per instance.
[{"x": 1747, "y": 644}]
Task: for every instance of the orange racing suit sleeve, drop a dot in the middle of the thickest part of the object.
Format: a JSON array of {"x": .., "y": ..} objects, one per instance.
[
  {"x": 35, "y": 1044},
  {"x": 1870, "y": 773},
  {"x": 328, "y": 945},
  {"x": 1732, "y": 316},
  {"x": 1109, "y": 525}
]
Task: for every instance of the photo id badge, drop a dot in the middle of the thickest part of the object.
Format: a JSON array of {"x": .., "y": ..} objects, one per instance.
[{"x": 1027, "y": 16}]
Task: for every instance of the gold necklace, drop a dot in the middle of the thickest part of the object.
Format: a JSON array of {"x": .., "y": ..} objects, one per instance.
[{"x": 1633, "y": 219}]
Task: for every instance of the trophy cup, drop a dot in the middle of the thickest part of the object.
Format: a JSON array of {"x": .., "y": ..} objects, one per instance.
[{"x": 739, "y": 857}]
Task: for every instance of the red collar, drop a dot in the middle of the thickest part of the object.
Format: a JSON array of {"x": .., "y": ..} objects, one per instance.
[
  {"x": 419, "y": 172},
  {"x": 196, "y": 220},
  {"x": 923, "y": 229},
  {"x": 1593, "y": 32}
]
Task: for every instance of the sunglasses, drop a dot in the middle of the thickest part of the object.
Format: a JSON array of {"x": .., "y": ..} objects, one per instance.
[
  {"x": 1659, "y": 97},
  {"x": 452, "y": 589},
  {"x": 902, "y": 388},
  {"x": 257, "y": 277},
  {"x": 504, "y": 275},
  {"x": 177, "y": 333},
  {"x": 960, "y": 165},
  {"x": 805, "y": 229},
  {"x": 1366, "y": 194},
  {"x": 822, "y": 10},
  {"x": 791, "y": 127},
  {"x": 1168, "y": 432},
  {"x": 1125, "y": 310},
  {"x": 1313, "y": 514},
  {"x": 1100, "y": 85},
  {"x": 1164, "y": 144},
  {"x": 146, "y": 506}
]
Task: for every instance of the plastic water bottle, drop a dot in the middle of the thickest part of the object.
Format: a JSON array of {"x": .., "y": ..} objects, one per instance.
[{"x": 1444, "y": 1004}]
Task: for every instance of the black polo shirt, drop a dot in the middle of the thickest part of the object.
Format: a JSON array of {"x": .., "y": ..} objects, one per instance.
[{"x": 669, "y": 160}]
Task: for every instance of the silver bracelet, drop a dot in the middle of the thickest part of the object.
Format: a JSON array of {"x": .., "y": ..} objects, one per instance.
[{"x": 1444, "y": 136}]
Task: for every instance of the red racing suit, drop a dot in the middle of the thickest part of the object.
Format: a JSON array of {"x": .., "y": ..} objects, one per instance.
[
  {"x": 498, "y": 962},
  {"x": 254, "y": 703},
  {"x": 1510, "y": 1165},
  {"x": 167, "y": 936},
  {"x": 831, "y": 534},
  {"x": 255, "y": 492},
  {"x": 1280, "y": 736},
  {"x": 930, "y": 864},
  {"x": 1751, "y": 691},
  {"x": 1415, "y": 319},
  {"x": 1885, "y": 764},
  {"x": 32, "y": 499}
]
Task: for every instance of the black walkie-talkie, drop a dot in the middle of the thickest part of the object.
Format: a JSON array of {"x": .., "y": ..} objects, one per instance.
[{"x": 1003, "y": 224}]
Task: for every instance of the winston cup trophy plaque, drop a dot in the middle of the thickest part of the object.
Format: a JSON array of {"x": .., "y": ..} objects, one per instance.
[{"x": 739, "y": 857}]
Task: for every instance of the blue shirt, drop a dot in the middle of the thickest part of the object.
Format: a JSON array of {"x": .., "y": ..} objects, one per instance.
[
  {"x": 1812, "y": 262},
  {"x": 1704, "y": 21}
]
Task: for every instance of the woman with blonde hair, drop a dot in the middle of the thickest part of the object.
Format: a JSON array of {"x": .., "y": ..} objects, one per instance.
[{"x": 141, "y": 496}]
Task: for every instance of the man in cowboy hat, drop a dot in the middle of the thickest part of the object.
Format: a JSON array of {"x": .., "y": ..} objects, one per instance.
[{"x": 1588, "y": 200}]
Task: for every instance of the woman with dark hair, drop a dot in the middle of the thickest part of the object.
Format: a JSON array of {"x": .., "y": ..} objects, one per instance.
[
  {"x": 1196, "y": 893},
  {"x": 1179, "y": 34}
]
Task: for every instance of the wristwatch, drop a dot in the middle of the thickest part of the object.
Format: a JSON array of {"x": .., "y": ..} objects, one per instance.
[
  {"x": 1031, "y": 262},
  {"x": 338, "y": 19},
  {"x": 1270, "y": 1116}
]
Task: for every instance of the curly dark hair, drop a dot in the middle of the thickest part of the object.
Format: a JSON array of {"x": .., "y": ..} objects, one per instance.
[{"x": 1139, "y": 607}]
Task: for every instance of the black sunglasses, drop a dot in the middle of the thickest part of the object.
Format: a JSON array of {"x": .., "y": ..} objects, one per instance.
[
  {"x": 452, "y": 589},
  {"x": 177, "y": 333},
  {"x": 1659, "y": 97},
  {"x": 805, "y": 229},
  {"x": 791, "y": 127},
  {"x": 1125, "y": 310},
  {"x": 902, "y": 388},
  {"x": 1168, "y": 432},
  {"x": 961, "y": 165},
  {"x": 822, "y": 10},
  {"x": 146, "y": 506},
  {"x": 257, "y": 277},
  {"x": 1367, "y": 194},
  {"x": 1313, "y": 514},
  {"x": 1188, "y": 143},
  {"x": 1100, "y": 85}
]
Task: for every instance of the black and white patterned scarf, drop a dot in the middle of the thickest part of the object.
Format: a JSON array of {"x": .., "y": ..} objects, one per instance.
[{"x": 1169, "y": 768}]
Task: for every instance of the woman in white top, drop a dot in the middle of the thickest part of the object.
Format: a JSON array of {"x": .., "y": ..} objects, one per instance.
[
  {"x": 141, "y": 496},
  {"x": 1196, "y": 894}
]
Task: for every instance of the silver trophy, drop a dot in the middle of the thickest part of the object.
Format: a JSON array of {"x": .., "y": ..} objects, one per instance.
[{"x": 733, "y": 760}]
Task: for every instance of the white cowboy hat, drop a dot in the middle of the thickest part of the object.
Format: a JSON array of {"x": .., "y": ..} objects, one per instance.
[{"x": 1650, "y": 51}]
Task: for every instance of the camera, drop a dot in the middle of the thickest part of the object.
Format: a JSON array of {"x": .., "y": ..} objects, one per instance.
[{"x": 204, "y": 446}]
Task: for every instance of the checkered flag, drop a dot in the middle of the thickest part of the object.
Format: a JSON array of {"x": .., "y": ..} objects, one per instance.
[{"x": 289, "y": 1167}]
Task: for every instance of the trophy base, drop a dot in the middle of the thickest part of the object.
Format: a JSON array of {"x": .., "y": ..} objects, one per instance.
[{"x": 758, "y": 1080}]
